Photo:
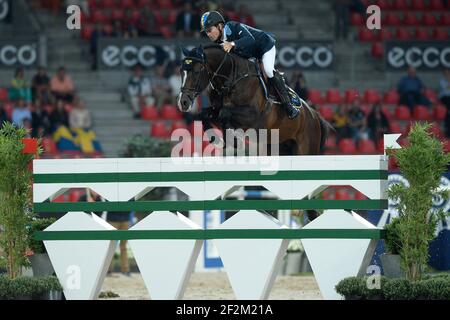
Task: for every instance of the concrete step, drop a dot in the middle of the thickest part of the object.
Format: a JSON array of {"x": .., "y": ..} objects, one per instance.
[
  {"x": 102, "y": 97},
  {"x": 112, "y": 115}
]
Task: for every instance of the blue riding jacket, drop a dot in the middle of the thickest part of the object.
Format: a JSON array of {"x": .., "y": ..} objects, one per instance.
[{"x": 249, "y": 42}]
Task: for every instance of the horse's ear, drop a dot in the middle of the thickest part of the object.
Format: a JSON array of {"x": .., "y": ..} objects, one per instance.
[
  {"x": 185, "y": 51},
  {"x": 201, "y": 52}
]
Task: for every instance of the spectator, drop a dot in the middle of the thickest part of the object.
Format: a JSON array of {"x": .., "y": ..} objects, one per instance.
[
  {"x": 58, "y": 117},
  {"x": 175, "y": 81},
  {"x": 20, "y": 113},
  {"x": 40, "y": 121},
  {"x": 139, "y": 91},
  {"x": 118, "y": 30},
  {"x": 187, "y": 22},
  {"x": 146, "y": 25},
  {"x": 342, "y": 10},
  {"x": 378, "y": 123},
  {"x": 244, "y": 16},
  {"x": 80, "y": 117},
  {"x": 62, "y": 86},
  {"x": 298, "y": 83},
  {"x": 3, "y": 115},
  {"x": 19, "y": 87},
  {"x": 41, "y": 86},
  {"x": 410, "y": 89},
  {"x": 340, "y": 122},
  {"x": 357, "y": 122},
  {"x": 444, "y": 93},
  {"x": 95, "y": 35},
  {"x": 161, "y": 86},
  {"x": 121, "y": 221}
]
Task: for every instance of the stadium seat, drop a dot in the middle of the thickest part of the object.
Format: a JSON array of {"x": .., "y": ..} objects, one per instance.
[
  {"x": 386, "y": 34},
  {"x": 372, "y": 96},
  {"x": 330, "y": 142},
  {"x": 393, "y": 163},
  {"x": 149, "y": 113},
  {"x": 359, "y": 196},
  {"x": 410, "y": 19},
  {"x": 333, "y": 96},
  {"x": 395, "y": 127},
  {"x": 445, "y": 19},
  {"x": 341, "y": 194},
  {"x": 431, "y": 95},
  {"x": 74, "y": 195},
  {"x": 126, "y": 4},
  {"x": 387, "y": 112},
  {"x": 172, "y": 18},
  {"x": 392, "y": 19},
  {"x": 134, "y": 16},
  {"x": 179, "y": 125},
  {"x": 108, "y": 4},
  {"x": 117, "y": 14},
  {"x": 350, "y": 95},
  {"x": 315, "y": 96},
  {"x": 429, "y": 19},
  {"x": 439, "y": 112},
  {"x": 86, "y": 31},
  {"x": 377, "y": 49},
  {"x": 144, "y": 3},
  {"x": 421, "y": 113},
  {"x": 391, "y": 97},
  {"x": 402, "y": 34},
  {"x": 165, "y": 4},
  {"x": 356, "y": 19},
  {"x": 347, "y": 146},
  {"x": 418, "y": 5},
  {"x": 435, "y": 129},
  {"x": 422, "y": 34},
  {"x": 49, "y": 146},
  {"x": 367, "y": 35},
  {"x": 436, "y": 5},
  {"x": 401, "y": 5},
  {"x": 366, "y": 108},
  {"x": 366, "y": 147},
  {"x": 169, "y": 112},
  {"x": 402, "y": 113},
  {"x": 166, "y": 32},
  {"x": 9, "y": 108},
  {"x": 384, "y": 4},
  {"x": 108, "y": 29},
  {"x": 159, "y": 130},
  {"x": 98, "y": 16},
  {"x": 440, "y": 34},
  {"x": 447, "y": 145},
  {"x": 3, "y": 94},
  {"x": 380, "y": 145},
  {"x": 326, "y": 112}
]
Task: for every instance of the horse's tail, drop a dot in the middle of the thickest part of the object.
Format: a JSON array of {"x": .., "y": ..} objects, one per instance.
[{"x": 325, "y": 128}]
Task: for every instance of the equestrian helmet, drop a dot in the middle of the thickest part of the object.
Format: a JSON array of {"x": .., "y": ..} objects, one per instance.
[{"x": 211, "y": 18}]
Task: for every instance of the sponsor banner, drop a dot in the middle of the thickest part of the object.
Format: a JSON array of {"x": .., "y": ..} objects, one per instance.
[
  {"x": 422, "y": 55},
  {"x": 18, "y": 52},
  {"x": 5, "y": 10},
  {"x": 119, "y": 53}
]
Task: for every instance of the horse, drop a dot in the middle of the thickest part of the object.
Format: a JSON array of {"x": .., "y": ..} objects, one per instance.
[{"x": 239, "y": 99}]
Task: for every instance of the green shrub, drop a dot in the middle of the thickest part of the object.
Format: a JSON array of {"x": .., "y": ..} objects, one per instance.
[
  {"x": 351, "y": 287},
  {"x": 37, "y": 246},
  {"x": 392, "y": 241},
  {"x": 27, "y": 286}
]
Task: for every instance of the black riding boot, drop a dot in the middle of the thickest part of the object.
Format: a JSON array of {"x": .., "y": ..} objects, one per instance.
[{"x": 278, "y": 83}]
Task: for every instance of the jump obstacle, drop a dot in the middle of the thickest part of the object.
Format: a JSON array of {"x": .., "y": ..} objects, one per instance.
[{"x": 166, "y": 244}]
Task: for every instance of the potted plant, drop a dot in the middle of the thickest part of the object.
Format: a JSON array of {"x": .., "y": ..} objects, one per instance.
[
  {"x": 293, "y": 258},
  {"x": 422, "y": 163},
  {"x": 40, "y": 261},
  {"x": 391, "y": 259}
]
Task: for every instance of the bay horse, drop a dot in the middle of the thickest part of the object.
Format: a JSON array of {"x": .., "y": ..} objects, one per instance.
[{"x": 238, "y": 99}]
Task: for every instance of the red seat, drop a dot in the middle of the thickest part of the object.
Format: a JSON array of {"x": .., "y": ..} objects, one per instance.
[
  {"x": 402, "y": 34},
  {"x": 445, "y": 19},
  {"x": 380, "y": 146},
  {"x": 134, "y": 16},
  {"x": 117, "y": 14},
  {"x": 429, "y": 19},
  {"x": 384, "y": 4},
  {"x": 439, "y": 112},
  {"x": 372, "y": 96},
  {"x": 126, "y": 4},
  {"x": 436, "y": 131},
  {"x": 431, "y": 95},
  {"x": 418, "y": 5},
  {"x": 9, "y": 108},
  {"x": 159, "y": 130},
  {"x": 421, "y": 113},
  {"x": 367, "y": 35},
  {"x": 395, "y": 127},
  {"x": 315, "y": 96},
  {"x": 341, "y": 194},
  {"x": 360, "y": 196},
  {"x": 386, "y": 34},
  {"x": 350, "y": 95},
  {"x": 391, "y": 97},
  {"x": 440, "y": 34},
  {"x": 392, "y": 19},
  {"x": 98, "y": 16},
  {"x": 326, "y": 112},
  {"x": 387, "y": 112},
  {"x": 330, "y": 142},
  {"x": 108, "y": 4},
  {"x": 436, "y": 5},
  {"x": 422, "y": 34},
  {"x": 92, "y": 4},
  {"x": 393, "y": 163},
  {"x": 149, "y": 113},
  {"x": 86, "y": 31},
  {"x": 447, "y": 146},
  {"x": 144, "y": 3},
  {"x": 367, "y": 147},
  {"x": 3, "y": 94},
  {"x": 165, "y": 4},
  {"x": 74, "y": 195},
  {"x": 402, "y": 113},
  {"x": 356, "y": 19},
  {"x": 347, "y": 146},
  {"x": 400, "y": 5},
  {"x": 333, "y": 96},
  {"x": 169, "y": 112},
  {"x": 377, "y": 49},
  {"x": 166, "y": 32},
  {"x": 108, "y": 29},
  {"x": 179, "y": 125},
  {"x": 172, "y": 18},
  {"x": 410, "y": 19}
]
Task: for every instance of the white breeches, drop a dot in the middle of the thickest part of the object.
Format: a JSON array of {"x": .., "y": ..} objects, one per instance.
[{"x": 268, "y": 60}]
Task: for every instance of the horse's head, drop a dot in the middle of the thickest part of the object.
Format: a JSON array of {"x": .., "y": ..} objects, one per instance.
[{"x": 194, "y": 77}]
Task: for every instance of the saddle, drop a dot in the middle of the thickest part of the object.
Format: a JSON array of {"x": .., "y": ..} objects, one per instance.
[{"x": 269, "y": 91}]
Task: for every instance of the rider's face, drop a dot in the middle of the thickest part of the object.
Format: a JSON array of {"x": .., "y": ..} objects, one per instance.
[{"x": 213, "y": 33}]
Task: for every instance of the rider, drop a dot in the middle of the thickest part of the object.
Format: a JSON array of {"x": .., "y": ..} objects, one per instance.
[{"x": 248, "y": 42}]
